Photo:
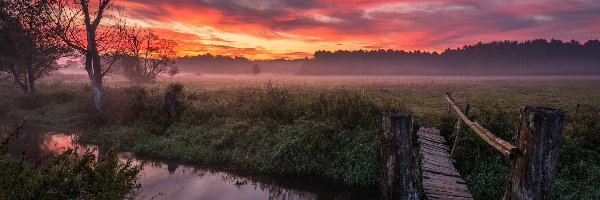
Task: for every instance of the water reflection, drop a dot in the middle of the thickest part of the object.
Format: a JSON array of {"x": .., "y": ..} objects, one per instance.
[
  {"x": 39, "y": 141},
  {"x": 173, "y": 180}
]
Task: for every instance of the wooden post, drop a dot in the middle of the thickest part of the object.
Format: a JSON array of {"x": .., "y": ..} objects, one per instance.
[
  {"x": 459, "y": 129},
  {"x": 533, "y": 171},
  {"x": 398, "y": 164}
]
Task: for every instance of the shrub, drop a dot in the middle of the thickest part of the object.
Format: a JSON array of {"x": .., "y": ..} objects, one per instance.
[
  {"x": 124, "y": 105},
  {"x": 31, "y": 101},
  {"x": 67, "y": 176}
]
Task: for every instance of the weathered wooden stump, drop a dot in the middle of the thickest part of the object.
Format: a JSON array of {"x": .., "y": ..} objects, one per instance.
[
  {"x": 399, "y": 172},
  {"x": 170, "y": 101},
  {"x": 533, "y": 171},
  {"x": 174, "y": 91}
]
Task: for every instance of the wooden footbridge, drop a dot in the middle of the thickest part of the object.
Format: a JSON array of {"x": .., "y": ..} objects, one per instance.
[{"x": 419, "y": 164}]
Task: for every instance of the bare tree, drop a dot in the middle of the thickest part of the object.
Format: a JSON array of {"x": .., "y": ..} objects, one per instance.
[
  {"x": 95, "y": 33},
  {"x": 148, "y": 56},
  {"x": 29, "y": 47}
]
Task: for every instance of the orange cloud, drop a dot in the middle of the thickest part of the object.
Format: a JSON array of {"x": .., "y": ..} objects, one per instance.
[{"x": 266, "y": 29}]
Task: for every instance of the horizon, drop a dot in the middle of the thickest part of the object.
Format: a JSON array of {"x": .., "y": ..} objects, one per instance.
[
  {"x": 267, "y": 29},
  {"x": 403, "y": 50}
]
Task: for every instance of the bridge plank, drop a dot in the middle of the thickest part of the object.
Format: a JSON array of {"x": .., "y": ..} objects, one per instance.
[
  {"x": 432, "y": 138},
  {"x": 437, "y": 146},
  {"x": 440, "y": 179},
  {"x": 433, "y": 152},
  {"x": 445, "y": 185},
  {"x": 429, "y": 175}
]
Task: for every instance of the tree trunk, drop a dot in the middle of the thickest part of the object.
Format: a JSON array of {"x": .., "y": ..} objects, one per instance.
[
  {"x": 32, "y": 88},
  {"x": 97, "y": 68},
  {"x": 23, "y": 86},
  {"x": 15, "y": 73},
  {"x": 96, "y": 87},
  {"x": 31, "y": 78}
]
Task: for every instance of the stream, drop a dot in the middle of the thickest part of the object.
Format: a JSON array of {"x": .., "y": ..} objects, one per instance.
[{"x": 162, "y": 179}]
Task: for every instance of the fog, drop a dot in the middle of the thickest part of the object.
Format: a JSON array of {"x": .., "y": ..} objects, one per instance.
[{"x": 507, "y": 58}]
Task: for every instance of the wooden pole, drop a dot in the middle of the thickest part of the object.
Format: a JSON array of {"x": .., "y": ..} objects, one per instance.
[
  {"x": 459, "y": 129},
  {"x": 498, "y": 143},
  {"x": 533, "y": 171},
  {"x": 399, "y": 172}
]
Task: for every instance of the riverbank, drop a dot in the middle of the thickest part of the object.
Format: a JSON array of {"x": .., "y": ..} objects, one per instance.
[
  {"x": 320, "y": 130},
  {"x": 168, "y": 179}
]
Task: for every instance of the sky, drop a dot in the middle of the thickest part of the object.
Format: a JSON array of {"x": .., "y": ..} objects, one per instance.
[{"x": 269, "y": 29}]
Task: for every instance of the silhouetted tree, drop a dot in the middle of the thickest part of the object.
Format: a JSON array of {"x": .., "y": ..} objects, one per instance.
[
  {"x": 532, "y": 57},
  {"x": 148, "y": 56},
  {"x": 29, "y": 47},
  {"x": 84, "y": 27},
  {"x": 173, "y": 71},
  {"x": 219, "y": 64}
]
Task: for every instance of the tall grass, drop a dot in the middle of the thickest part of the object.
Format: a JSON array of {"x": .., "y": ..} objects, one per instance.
[
  {"x": 274, "y": 130},
  {"x": 325, "y": 132}
]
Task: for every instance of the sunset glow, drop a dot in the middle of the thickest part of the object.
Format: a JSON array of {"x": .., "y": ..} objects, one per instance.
[{"x": 265, "y": 29}]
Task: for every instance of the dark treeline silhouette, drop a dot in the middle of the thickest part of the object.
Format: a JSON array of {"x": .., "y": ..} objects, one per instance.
[
  {"x": 533, "y": 57},
  {"x": 217, "y": 64}
]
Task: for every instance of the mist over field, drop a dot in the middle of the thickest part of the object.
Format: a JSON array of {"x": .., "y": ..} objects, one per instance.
[{"x": 533, "y": 57}]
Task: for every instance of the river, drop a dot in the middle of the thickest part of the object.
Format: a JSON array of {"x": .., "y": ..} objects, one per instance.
[{"x": 162, "y": 179}]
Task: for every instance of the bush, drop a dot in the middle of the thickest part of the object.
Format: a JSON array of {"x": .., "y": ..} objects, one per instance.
[
  {"x": 122, "y": 106},
  {"x": 31, "y": 101},
  {"x": 67, "y": 176}
]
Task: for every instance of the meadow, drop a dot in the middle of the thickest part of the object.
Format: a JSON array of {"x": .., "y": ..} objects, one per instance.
[{"x": 321, "y": 126}]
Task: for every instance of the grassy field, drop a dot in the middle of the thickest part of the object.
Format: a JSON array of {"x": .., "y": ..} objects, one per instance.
[{"x": 322, "y": 126}]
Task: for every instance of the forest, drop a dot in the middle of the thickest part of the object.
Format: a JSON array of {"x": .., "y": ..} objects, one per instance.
[
  {"x": 531, "y": 57},
  {"x": 219, "y": 64}
]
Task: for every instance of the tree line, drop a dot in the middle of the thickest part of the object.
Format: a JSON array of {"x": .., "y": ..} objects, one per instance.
[
  {"x": 220, "y": 64},
  {"x": 34, "y": 34},
  {"x": 532, "y": 57}
]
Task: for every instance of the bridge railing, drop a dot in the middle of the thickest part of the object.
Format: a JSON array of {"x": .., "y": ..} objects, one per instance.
[
  {"x": 507, "y": 149},
  {"x": 535, "y": 156}
]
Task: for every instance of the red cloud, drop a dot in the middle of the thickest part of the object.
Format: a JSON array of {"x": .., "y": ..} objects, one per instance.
[{"x": 404, "y": 24}]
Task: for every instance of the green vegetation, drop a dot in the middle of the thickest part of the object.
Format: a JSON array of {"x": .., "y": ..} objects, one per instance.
[
  {"x": 68, "y": 175},
  {"x": 325, "y": 128}
]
